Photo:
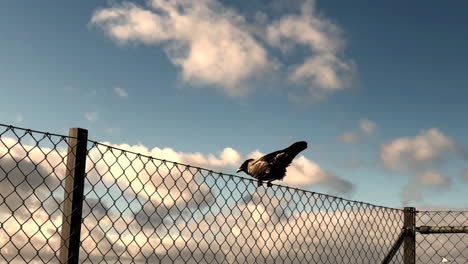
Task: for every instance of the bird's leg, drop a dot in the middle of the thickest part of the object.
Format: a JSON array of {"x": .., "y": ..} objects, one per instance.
[
  {"x": 260, "y": 183},
  {"x": 269, "y": 184}
]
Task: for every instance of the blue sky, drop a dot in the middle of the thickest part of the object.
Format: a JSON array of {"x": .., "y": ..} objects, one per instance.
[{"x": 399, "y": 65}]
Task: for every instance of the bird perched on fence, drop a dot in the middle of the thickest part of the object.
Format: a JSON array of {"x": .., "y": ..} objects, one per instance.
[{"x": 272, "y": 166}]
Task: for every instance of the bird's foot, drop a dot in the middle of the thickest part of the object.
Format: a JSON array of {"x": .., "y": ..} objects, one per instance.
[
  {"x": 269, "y": 184},
  {"x": 260, "y": 183}
]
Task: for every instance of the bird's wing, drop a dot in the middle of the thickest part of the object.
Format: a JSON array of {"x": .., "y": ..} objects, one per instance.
[
  {"x": 277, "y": 158},
  {"x": 259, "y": 168},
  {"x": 272, "y": 157},
  {"x": 284, "y": 157}
]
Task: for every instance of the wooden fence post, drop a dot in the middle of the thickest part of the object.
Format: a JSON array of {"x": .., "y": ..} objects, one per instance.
[
  {"x": 73, "y": 196},
  {"x": 409, "y": 247}
]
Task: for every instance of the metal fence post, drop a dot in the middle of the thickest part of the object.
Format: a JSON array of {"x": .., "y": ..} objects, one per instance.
[
  {"x": 409, "y": 247},
  {"x": 73, "y": 196}
]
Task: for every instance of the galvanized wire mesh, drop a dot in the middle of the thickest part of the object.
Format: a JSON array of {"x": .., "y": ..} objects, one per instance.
[
  {"x": 147, "y": 210},
  {"x": 442, "y": 248},
  {"x": 32, "y": 170}
]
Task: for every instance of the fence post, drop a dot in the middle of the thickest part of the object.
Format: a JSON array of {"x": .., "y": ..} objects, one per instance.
[
  {"x": 73, "y": 196},
  {"x": 409, "y": 247}
]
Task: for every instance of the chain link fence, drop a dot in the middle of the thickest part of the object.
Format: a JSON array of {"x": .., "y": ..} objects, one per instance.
[
  {"x": 141, "y": 209},
  {"x": 32, "y": 171},
  {"x": 442, "y": 247},
  {"x": 147, "y": 210}
]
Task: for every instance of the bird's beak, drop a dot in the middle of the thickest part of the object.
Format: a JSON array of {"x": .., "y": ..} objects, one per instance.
[{"x": 238, "y": 170}]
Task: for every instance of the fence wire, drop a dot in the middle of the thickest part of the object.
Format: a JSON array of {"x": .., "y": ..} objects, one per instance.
[
  {"x": 140, "y": 209},
  {"x": 32, "y": 169},
  {"x": 147, "y": 210},
  {"x": 442, "y": 248}
]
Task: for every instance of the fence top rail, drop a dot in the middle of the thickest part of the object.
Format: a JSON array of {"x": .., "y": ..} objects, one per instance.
[{"x": 209, "y": 171}]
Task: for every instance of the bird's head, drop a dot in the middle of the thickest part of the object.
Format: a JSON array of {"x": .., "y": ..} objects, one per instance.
[{"x": 244, "y": 166}]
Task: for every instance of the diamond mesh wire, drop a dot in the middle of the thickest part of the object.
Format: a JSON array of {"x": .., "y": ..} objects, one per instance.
[
  {"x": 147, "y": 210},
  {"x": 32, "y": 171},
  {"x": 442, "y": 248},
  {"x": 139, "y": 209}
]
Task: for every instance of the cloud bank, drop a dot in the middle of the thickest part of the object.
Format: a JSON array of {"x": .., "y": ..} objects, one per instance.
[
  {"x": 139, "y": 210},
  {"x": 303, "y": 172}
]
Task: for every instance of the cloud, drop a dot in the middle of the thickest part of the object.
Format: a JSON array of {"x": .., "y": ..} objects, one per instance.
[
  {"x": 215, "y": 46},
  {"x": 407, "y": 153},
  {"x": 31, "y": 180},
  {"x": 323, "y": 70},
  {"x": 120, "y": 92},
  {"x": 25, "y": 177},
  {"x": 208, "y": 42},
  {"x": 137, "y": 207},
  {"x": 140, "y": 213},
  {"x": 433, "y": 179},
  {"x": 348, "y": 137},
  {"x": 367, "y": 126},
  {"x": 417, "y": 157},
  {"x": 302, "y": 172},
  {"x": 91, "y": 116}
]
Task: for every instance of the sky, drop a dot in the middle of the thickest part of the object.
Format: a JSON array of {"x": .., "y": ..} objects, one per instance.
[{"x": 378, "y": 90}]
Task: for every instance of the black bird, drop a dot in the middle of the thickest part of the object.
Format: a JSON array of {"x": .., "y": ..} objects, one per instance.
[{"x": 272, "y": 166}]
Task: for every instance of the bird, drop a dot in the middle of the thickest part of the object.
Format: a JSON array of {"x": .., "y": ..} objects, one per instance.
[{"x": 272, "y": 166}]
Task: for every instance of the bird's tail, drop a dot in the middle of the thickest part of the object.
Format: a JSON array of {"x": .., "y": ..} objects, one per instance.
[{"x": 295, "y": 148}]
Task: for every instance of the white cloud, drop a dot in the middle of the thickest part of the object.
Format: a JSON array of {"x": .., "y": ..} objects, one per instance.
[
  {"x": 209, "y": 42},
  {"x": 91, "y": 116},
  {"x": 422, "y": 183},
  {"x": 433, "y": 179},
  {"x": 348, "y": 137},
  {"x": 216, "y": 46},
  {"x": 304, "y": 172},
  {"x": 410, "y": 152},
  {"x": 324, "y": 70},
  {"x": 417, "y": 156},
  {"x": 367, "y": 126},
  {"x": 120, "y": 92}
]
